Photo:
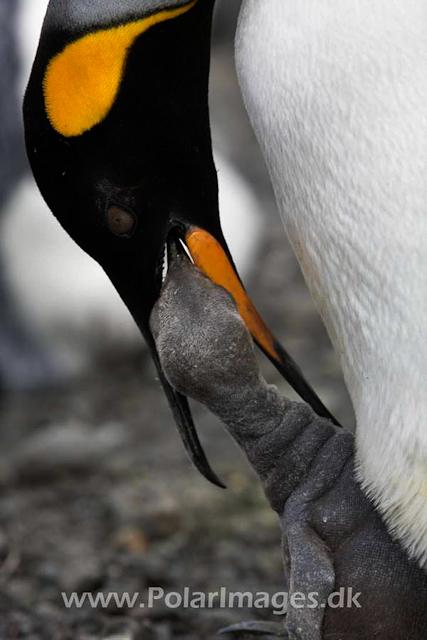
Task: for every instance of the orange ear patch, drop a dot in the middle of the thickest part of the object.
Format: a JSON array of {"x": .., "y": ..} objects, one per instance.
[{"x": 82, "y": 81}]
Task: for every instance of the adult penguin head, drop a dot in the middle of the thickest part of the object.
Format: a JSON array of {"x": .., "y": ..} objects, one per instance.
[
  {"x": 118, "y": 137},
  {"x": 117, "y": 132}
]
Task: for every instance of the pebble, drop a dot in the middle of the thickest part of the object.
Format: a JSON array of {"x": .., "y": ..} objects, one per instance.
[{"x": 67, "y": 447}]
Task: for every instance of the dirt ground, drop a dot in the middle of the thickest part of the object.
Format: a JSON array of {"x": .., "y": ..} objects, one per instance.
[{"x": 97, "y": 494}]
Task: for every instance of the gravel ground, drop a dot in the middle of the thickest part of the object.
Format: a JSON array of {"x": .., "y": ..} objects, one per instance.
[{"x": 96, "y": 492}]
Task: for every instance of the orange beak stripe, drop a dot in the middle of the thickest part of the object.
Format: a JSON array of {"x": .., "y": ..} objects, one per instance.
[{"x": 211, "y": 259}]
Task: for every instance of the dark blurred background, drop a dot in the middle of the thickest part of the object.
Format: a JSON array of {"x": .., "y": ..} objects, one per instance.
[{"x": 96, "y": 492}]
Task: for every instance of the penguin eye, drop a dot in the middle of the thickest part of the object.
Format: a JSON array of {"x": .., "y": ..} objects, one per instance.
[{"x": 120, "y": 222}]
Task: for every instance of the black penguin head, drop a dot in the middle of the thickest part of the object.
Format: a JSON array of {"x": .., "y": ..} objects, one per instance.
[
  {"x": 118, "y": 137},
  {"x": 120, "y": 146},
  {"x": 117, "y": 132}
]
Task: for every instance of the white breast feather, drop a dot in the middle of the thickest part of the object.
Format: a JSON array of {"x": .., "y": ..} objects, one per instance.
[{"x": 337, "y": 95}]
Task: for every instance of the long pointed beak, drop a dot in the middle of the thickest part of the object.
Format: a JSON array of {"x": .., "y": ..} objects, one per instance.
[
  {"x": 211, "y": 258},
  {"x": 178, "y": 402},
  {"x": 141, "y": 308},
  {"x": 184, "y": 421}
]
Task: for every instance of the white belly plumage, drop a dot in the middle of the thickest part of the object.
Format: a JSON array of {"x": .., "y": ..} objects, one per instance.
[{"x": 337, "y": 95}]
